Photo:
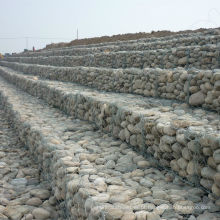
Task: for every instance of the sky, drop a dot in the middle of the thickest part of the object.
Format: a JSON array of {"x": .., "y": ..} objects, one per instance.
[{"x": 28, "y": 23}]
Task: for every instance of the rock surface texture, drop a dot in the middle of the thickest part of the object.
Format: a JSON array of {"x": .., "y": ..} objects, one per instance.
[
  {"x": 196, "y": 87},
  {"x": 140, "y": 45},
  {"x": 201, "y": 57},
  {"x": 22, "y": 190},
  {"x": 81, "y": 142}
]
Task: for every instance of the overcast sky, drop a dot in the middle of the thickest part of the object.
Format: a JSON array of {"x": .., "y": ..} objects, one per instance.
[{"x": 46, "y": 21}]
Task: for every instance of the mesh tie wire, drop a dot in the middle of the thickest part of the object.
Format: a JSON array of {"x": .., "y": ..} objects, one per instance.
[
  {"x": 189, "y": 77},
  {"x": 218, "y": 56},
  {"x": 188, "y": 56},
  {"x": 156, "y": 86}
]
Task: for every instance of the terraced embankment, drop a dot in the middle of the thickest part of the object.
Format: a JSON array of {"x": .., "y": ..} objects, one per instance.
[
  {"x": 201, "y": 57},
  {"x": 130, "y": 143},
  {"x": 140, "y": 45},
  {"x": 115, "y": 40},
  {"x": 88, "y": 169},
  {"x": 23, "y": 192},
  {"x": 199, "y": 88}
]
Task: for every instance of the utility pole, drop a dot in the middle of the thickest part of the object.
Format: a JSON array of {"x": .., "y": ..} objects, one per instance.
[
  {"x": 77, "y": 34},
  {"x": 26, "y": 42}
]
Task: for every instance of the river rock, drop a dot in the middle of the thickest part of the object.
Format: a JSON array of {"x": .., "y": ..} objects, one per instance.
[
  {"x": 184, "y": 207},
  {"x": 40, "y": 213},
  {"x": 197, "y": 99}
]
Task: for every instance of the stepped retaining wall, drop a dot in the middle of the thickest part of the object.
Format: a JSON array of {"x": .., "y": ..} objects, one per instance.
[
  {"x": 181, "y": 144},
  {"x": 196, "y": 87},
  {"x": 207, "y": 33},
  {"x": 138, "y": 46},
  {"x": 204, "y": 57}
]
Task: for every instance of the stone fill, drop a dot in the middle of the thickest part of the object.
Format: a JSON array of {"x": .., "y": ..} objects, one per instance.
[
  {"x": 129, "y": 46},
  {"x": 196, "y": 87},
  {"x": 96, "y": 175},
  {"x": 23, "y": 192},
  {"x": 201, "y": 57},
  {"x": 178, "y": 138},
  {"x": 121, "y": 130}
]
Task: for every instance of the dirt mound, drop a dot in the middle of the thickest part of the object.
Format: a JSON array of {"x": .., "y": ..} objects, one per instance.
[{"x": 119, "y": 37}]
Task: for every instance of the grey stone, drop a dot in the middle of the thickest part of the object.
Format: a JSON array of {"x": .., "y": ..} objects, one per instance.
[{"x": 197, "y": 99}]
